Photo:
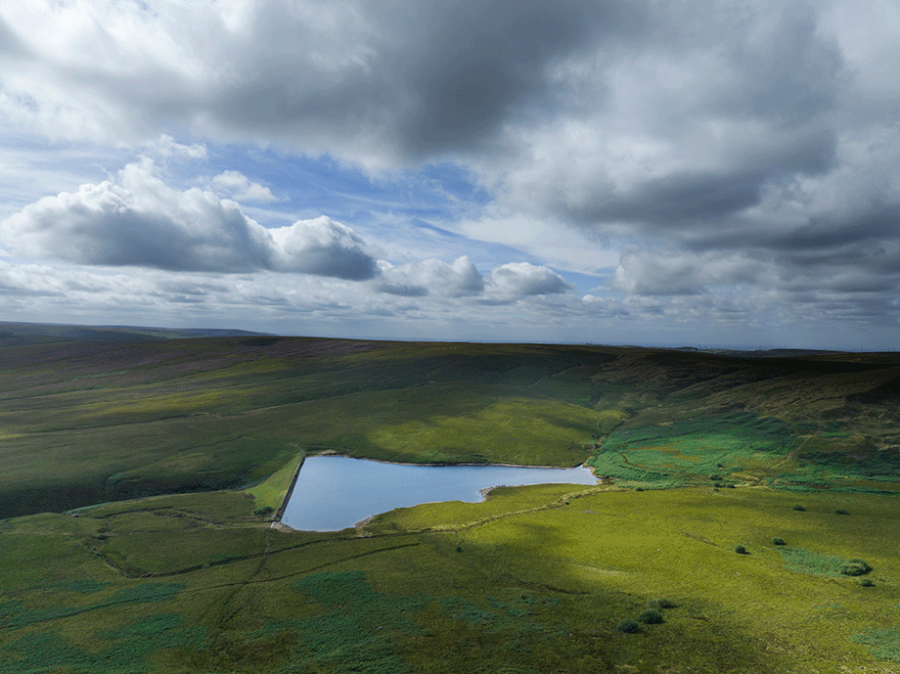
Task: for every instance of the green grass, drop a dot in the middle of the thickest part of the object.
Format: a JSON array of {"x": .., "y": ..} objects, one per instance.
[
  {"x": 271, "y": 492},
  {"x": 543, "y": 577},
  {"x": 142, "y": 578},
  {"x": 815, "y": 563}
]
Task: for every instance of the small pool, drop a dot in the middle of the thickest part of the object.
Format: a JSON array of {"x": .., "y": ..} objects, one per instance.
[{"x": 334, "y": 492}]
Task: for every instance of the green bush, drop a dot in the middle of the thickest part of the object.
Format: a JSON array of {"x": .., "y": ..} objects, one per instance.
[
  {"x": 741, "y": 550},
  {"x": 650, "y": 616},
  {"x": 778, "y": 541},
  {"x": 841, "y": 511},
  {"x": 855, "y": 567},
  {"x": 265, "y": 511},
  {"x": 628, "y": 626},
  {"x": 865, "y": 582},
  {"x": 799, "y": 508},
  {"x": 660, "y": 603}
]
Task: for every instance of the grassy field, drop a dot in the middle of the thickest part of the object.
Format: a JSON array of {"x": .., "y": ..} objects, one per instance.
[{"x": 755, "y": 495}]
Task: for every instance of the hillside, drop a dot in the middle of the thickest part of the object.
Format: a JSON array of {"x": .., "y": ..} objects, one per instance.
[
  {"x": 123, "y": 419},
  {"x": 748, "y": 502}
]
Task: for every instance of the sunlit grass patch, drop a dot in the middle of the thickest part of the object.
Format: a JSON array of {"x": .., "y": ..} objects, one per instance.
[
  {"x": 526, "y": 431},
  {"x": 502, "y": 501}
]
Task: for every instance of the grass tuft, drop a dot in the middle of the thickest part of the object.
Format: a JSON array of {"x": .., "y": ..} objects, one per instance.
[
  {"x": 650, "y": 616},
  {"x": 628, "y": 626}
]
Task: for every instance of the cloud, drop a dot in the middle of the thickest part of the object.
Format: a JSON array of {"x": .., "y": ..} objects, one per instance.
[
  {"x": 727, "y": 152},
  {"x": 166, "y": 147},
  {"x": 340, "y": 78},
  {"x": 432, "y": 277},
  {"x": 322, "y": 247},
  {"x": 138, "y": 220},
  {"x": 521, "y": 279},
  {"x": 240, "y": 188},
  {"x": 667, "y": 273}
]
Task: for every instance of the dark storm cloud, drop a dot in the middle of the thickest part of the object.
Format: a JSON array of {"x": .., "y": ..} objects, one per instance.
[
  {"x": 477, "y": 64},
  {"x": 446, "y": 83},
  {"x": 692, "y": 196},
  {"x": 881, "y": 222}
]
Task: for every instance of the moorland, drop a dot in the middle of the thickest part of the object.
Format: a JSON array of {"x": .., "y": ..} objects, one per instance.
[{"x": 746, "y": 521}]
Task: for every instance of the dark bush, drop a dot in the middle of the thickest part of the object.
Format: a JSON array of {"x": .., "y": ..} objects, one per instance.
[
  {"x": 865, "y": 582},
  {"x": 855, "y": 567},
  {"x": 741, "y": 550},
  {"x": 459, "y": 548},
  {"x": 650, "y": 616},
  {"x": 715, "y": 478},
  {"x": 841, "y": 511},
  {"x": 778, "y": 541},
  {"x": 799, "y": 508},
  {"x": 660, "y": 603},
  {"x": 265, "y": 512},
  {"x": 628, "y": 626}
]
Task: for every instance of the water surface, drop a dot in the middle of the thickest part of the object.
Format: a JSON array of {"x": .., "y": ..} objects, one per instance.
[{"x": 335, "y": 492}]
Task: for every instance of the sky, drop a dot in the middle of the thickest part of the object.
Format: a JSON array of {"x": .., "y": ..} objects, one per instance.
[{"x": 710, "y": 173}]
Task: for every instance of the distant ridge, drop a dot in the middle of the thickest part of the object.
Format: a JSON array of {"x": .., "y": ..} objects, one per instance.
[{"x": 21, "y": 333}]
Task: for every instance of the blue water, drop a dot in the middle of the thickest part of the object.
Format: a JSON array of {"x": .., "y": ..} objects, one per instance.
[{"x": 334, "y": 492}]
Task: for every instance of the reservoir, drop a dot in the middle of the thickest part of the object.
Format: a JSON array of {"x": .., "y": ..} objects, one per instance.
[{"x": 334, "y": 492}]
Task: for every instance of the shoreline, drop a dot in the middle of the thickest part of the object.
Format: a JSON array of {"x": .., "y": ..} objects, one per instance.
[
  {"x": 484, "y": 492},
  {"x": 290, "y": 492},
  {"x": 448, "y": 465}
]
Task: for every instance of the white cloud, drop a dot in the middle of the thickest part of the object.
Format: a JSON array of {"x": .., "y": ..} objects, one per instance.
[
  {"x": 166, "y": 147},
  {"x": 671, "y": 272},
  {"x": 139, "y": 220},
  {"x": 546, "y": 239},
  {"x": 521, "y": 279},
  {"x": 431, "y": 277},
  {"x": 322, "y": 247},
  {"x": 240, "y": 188}
]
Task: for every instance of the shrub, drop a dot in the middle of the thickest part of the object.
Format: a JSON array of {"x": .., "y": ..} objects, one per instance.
[
  {"x": 628, "y": 626},
  {"x": 865, "y": 582},
  {"x": 660, "y": 603},
  {"x": 741, "y": 550},
  {"x": 855, "y": 567},
  {"x": 841, "y": 511},
  {"x": 715, "y": 478},
  {"x": 799, "y": 508},
  {"x": 264, "y": 512},
  {"x": 778, "y": 541},
  {"x": 650, "y": 616}
]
